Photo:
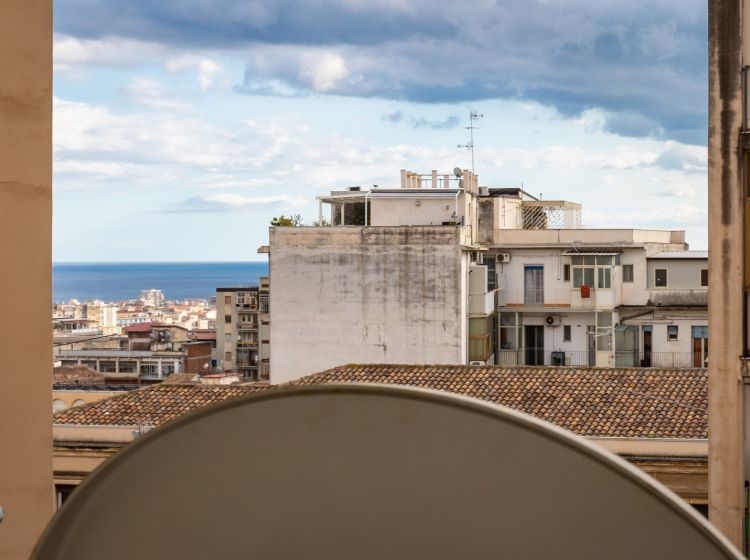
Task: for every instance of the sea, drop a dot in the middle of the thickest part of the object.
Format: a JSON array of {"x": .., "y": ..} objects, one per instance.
[{"x": 124, "y": 280}]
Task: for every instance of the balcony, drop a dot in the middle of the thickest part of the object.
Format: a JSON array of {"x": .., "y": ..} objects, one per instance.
[
  {"x": 482, "y": 304},
  {"x": 554, "y": 298},
  {"x": 588, "y": 358}
]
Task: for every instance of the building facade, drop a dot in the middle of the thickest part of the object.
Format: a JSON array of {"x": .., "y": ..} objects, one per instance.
[
  {"x": 443, "y": 271},
  {"x": 239, "y": 330}
]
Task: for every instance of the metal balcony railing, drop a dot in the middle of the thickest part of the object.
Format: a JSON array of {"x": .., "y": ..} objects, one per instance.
[
  {"x": 557, "y": 298},
  {"x": 587, "y": 358}
]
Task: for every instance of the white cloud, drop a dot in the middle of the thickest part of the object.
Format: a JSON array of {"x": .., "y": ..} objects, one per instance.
[
  {"x": 73, "y": 55},
  {"x": 322, "y": 71},
  {"x": 152, "y": 94},
  {"x": 208, "y": 70}
]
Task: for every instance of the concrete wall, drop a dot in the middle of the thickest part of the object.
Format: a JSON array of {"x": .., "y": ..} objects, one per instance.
[
  {"x": 366, "y": 295},
  {"x": 25, "y": 251},
  {"x": 668, "y": 240},
  {"x": 681, "y": 273},
  {"x": 417, "y": 210}
]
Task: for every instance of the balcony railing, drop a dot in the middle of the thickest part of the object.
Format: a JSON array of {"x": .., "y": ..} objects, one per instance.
[
  {"x": 482, "y": 304},
  {"x": 587, "y": 358},
  {"x": 660, "y": 359},
  {"x": 541, "y": 298}
]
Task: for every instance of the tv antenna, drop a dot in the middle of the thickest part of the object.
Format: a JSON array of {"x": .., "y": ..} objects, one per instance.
[{"x": 473, "y": 116}]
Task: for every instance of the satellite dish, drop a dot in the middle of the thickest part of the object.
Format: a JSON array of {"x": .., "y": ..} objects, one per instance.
[
  {"x": 457, "y": 172},
  {"x": 371, "y": 472}
]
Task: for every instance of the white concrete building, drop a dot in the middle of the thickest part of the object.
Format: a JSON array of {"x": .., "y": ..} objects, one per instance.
[
  {"x": 441, "y": 271},
  {"x": 152, "y": 297},
  {"x": 391, "y": 282}
]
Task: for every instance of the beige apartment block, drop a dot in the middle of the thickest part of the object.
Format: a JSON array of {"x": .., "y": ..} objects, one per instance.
[{"x": 25, "y": 229}]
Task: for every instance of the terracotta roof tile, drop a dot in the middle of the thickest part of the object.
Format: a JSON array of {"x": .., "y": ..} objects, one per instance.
[
  {"x": 153, "y": 405},
  {"x": 595, "y": 402}
]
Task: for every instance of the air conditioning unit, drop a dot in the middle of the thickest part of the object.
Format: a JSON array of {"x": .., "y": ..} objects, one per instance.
[
  {"x": 553, "y": 321},
  {"x": 476, "y": 363},
  {"x": 502, "y": 257}
]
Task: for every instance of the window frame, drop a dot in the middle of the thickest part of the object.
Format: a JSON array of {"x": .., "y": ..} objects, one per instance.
[
  {"x": 704, "y": 278},
  {"x": 567, "y": 333},
  {"x": 656, "y": 279},
  {"x": 673, "y": 333},
  {"x": 629, "y": 275}
]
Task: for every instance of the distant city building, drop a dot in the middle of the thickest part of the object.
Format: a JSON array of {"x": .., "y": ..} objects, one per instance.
[
  {"x": 240, "y": 312},
  {"x": 152, "y": 297},
  {"x": 442, "y": 271}
]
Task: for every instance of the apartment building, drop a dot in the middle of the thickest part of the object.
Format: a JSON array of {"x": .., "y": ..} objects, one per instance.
[
  {"x": 152, "y": 298},
  {"x": 440, "y": 270},
  {"x": 240, "y": 312},
  {"x": 391, "y": 281}
]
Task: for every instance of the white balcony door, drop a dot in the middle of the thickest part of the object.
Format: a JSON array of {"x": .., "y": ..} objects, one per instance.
[{"x": 533, "y": 281}]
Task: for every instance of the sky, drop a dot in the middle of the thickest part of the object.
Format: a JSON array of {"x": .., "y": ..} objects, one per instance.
[{"x": 181, "y": 127}]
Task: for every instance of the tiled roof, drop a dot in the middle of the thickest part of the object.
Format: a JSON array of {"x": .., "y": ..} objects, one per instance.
[
  {"x": 141, "y": 327},
  {"x": 153, "y": 405},
  {"x": 595, "y": 402}
]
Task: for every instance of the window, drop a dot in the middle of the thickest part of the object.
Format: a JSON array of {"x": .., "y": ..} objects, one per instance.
[
  {"x": 627, "y": 273},
  {"x": 660, "y": 277},
  {"x": 227, "y": 356},
  {"x": 227, "y": 318},
  {"x": 605, "y": 278},
  {"x": 566, "y": 333},
  {"x": 704, "y": 277},
  {"x": 583, "y": 276},
  {"x": 672, "y": 331},
  {"x": 227, "y": 300},
  {"x": 566, "y": 272},
  {"x": 480, "y": 335}
]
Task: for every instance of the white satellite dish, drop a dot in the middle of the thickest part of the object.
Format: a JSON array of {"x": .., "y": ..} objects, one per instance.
[
  {"x": 457, "y": 172},
  {"x": 371, "y": 472}
]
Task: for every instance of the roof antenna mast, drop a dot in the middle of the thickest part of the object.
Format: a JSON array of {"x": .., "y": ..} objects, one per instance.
[{"x": 473, "y": 116}]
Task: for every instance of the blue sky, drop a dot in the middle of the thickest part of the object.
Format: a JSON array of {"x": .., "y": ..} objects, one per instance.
[{"x": 183, "y": 126}]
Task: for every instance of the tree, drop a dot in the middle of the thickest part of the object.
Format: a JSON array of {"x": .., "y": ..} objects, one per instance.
[{"x": 287, "y": 221}]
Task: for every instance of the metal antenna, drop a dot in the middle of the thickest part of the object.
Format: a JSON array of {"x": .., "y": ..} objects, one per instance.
[{"x": 473, "y": 115}]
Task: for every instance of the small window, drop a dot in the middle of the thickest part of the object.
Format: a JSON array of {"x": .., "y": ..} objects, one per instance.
[
  {"x": 228, "y": 356},
  {"x": 660, "y": 277},
  {"x": 627, "y": 273},
  {"x": 227, "y": 318},
  {"x": 566, "y": 272},
  {"x": 672, "y": 331},
  {"x": 227, "y": 300},
  {"x": 605, "y": 278},
  {"x": 704, "y": 277},
  {"x": 566, "y": 333}
]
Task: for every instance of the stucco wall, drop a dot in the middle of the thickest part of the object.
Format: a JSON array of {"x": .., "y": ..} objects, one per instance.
[
  {"x": 416, "y": 210},
  {"x": 25, "y": 251},
  {"x": 681, "y": 273},
  {"x": 366, "y": 295}
]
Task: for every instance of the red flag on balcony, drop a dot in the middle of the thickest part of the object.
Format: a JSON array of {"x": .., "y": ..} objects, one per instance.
[{"x": 585, "y": 291}]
